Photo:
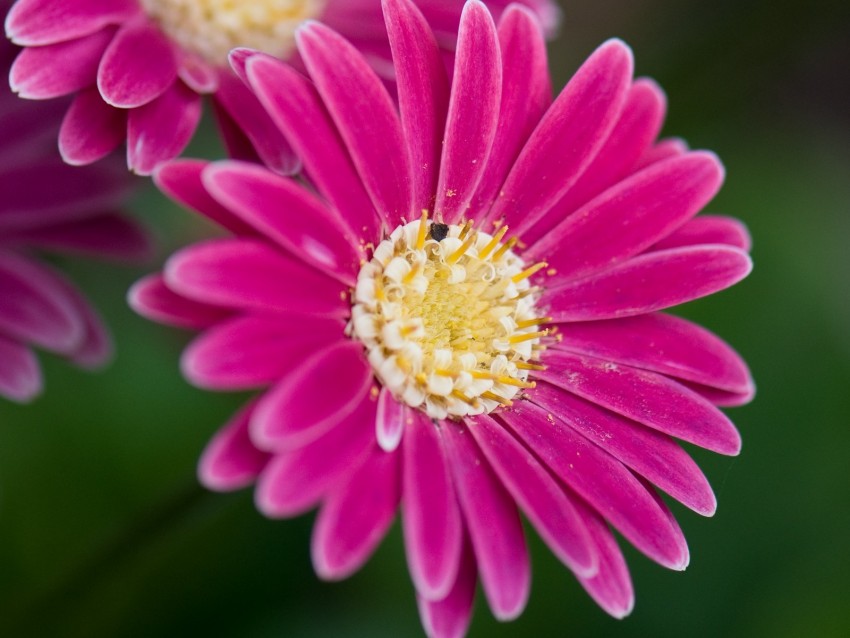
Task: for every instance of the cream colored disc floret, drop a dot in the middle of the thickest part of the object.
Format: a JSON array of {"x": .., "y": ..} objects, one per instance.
[
  {"x": 211, "y": 28},
  {"x": 449, "y": 323}
]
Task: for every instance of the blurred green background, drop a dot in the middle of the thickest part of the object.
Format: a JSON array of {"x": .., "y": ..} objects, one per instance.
[{"x": 104, "y": 532}]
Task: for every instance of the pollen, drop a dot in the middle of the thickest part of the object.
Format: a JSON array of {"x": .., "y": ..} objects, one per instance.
[
  {"x": 448, "y": 317},
  {"x": 211, "y": 28}
]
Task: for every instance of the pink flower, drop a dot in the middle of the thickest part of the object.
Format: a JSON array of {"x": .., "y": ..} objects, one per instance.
[
  {"x": 437, "y": 360},
  {"x": 46, "y": 205},
  {"x": 138, "y": 68}
]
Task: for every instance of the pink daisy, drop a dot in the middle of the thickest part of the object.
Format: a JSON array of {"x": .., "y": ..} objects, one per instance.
[
  {"x": 414, "y": 352},
  {"x": 46, "y": 205},
  {"x": 138, "y": 68}
]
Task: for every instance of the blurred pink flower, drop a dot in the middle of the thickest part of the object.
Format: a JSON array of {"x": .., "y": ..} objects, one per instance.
[
  {"x": 427, "y": 359},
  {"x": 46, "y": 205},
  {"x": 138, "y": 68}
]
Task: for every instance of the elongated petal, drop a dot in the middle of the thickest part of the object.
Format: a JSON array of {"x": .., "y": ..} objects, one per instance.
[
  {"x": 300, "y": 408},
  {"x": 648, "y": 452},
  {"x": 473, "y": 112},
  {"x": 568, "y": 137},
  {"x": 549, "y": 508},
  {"x": 423, "y": 95},
  {"x": 355, "y": 517},
  {"x": 247, "y": 274},
  {"x": 91, "y": 129},
  {"x": 709, "y": 229},
  {"x": 450, "y": 616},
  {"x": 391, "y": 419},
  {"x": 431, "y": 520},
  {"x": 666, "y": 148},
  {"x": 601, "y": 480},
  {"x": 664, "y": 405},
  {"x": 40, "y": 22},
  {"x": 151, "y": 298},
  {"x": 631, "y": 216},
  {"x": 365, "y": 117},
  {"x": 287, "y": 213},
  {"x": 493, "y": 523},
  {"x": 650, "y": 282},
  {"x": 255, "y": 350},
  {"x": 20, "y": 376},
  {"x": 94, "y": 349},
  {"x": 230, "y": 461}
]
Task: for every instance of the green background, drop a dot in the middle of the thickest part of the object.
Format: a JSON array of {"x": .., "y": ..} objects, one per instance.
[{"x": 104, "y": 532}]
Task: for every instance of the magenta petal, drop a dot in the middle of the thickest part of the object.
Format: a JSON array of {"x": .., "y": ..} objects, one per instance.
[
  {"x": 653, "y": 455},
  {"x": 248, "y": 274},
  {"x": 665, "y": 149},
  {"x": 722, "y": 398},
  {"x": 198, "y": 74},
  {"x": 287, "y": 213},
  {"x": 648, "y": 398},
  {"x": 549, "y": 508},
  {"x": 365, "y": 117},
  {"x": 423, "y": 94},
  {"x": 493, "y": 523},
  {"x": 473, "y": 112},
  {"x": 315, "y": 395},
  {"x": 161, "y": 129},
  {"x": 709, "y": 229},
  {"x": 40, "y": 22},
  {"x": 296, "y": 108},
  {"x": 91, "y": 129},
  {"x": 296, "y": 480},
  {"x": 649, "y": 282},
  {"x": 431, "y": 519},
  {"x": 95, "y": 348},
  {"x": 20, "y": 376},
  {"x": 601, "y": 480},
  {"x": 631, "y": 216},
  {"x": 450, "y": 616},
  {"x": 356, "y": 516},
  {"x": 390, "y": 421},
  {"x": 59, "y": 69},
  {"x": 151, "y": 298},
  {"x": 181, "y": 181},
  {"x": 230, "y": 461},
  {"x": 254, "y": 350},
  {"x": 568, "y": 137},
  {"x": 139, "y": 65}
]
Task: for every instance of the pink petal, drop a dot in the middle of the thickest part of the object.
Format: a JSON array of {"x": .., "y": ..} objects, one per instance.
[
  {"x": 423, "y": 94},
  {"x": 549, "y": 508},
  {"x": 580, "y": 120},
  {"x": 649, "y": 282},
  {"x": 365, "y": 117},
  {"x": 314, "y": 395},
  {"x": 151, "y": 298},
  {"x": 390, "y": 421},
  {"x": 230, "y": 461},
  {"x": 235, "y": 141},
  {"x": 653, "y": 455},
  {"x": 248, "y": 274},
  {"x": 20, "y": 376},
  {"x": 431, "y": 520},
  {"x": 91, "y": 129},
  {"x": 722, "y": 398},
  {"x": 631, "y": 216},
  {"x": 287, "y": 213},
  {"x": 138, "y": 66},
  {"x": 296, "y": 108},
  {"x": 198, "y": 74},
  {"x": 95, "y": 349},
  {"x": 449, "y": 617},
  {"x": 648, "y": 398},
  {"x": 296, "y": 480},
  {"x": 355, "y": 517},
  {"x": 667, "y": 148},
  {"x": 526, "y": 94},
  {"x": 709, "y": 229},
  {"x": 473, "y": 112},
  {"x": 59, "y": 69},
  {"x": 493, "y": 523},
  {"x": 601, "y": 480},
  {"x": 254, "y": 350},
  {"x": 161, "y": 129},
  {"x": 40, "y": 22}
]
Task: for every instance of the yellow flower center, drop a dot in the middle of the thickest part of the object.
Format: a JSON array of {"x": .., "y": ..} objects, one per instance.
[
  {"x": 211, "y": 28},
  {"x": 448, "y": 317}
]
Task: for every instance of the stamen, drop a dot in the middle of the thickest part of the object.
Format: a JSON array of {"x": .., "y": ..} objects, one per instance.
[
  {"x": 423, "y": 230},
  {"x": 528, "y": 323},
  {"x": 493, "y": 243},
  {"x": 528, "y": 272},
  {"x": 527, "y": 336},
  {"x": 460, "y": 252},
  {"x": 497, "y": 398},
  {"x": 522, "y": 365},
  {"x": 505, "y": 248}
]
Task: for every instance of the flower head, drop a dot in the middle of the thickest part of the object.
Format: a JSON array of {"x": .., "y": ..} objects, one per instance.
[
  {"x": 460, "y": 311},
  {"x": 46, "y": 205},
  {"x": 138, "y": 68}
]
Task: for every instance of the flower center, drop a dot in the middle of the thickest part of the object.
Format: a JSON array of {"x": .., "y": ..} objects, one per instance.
[
  {"x": 448, "y": 317},
  {"x": 211, "y": 28}
]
